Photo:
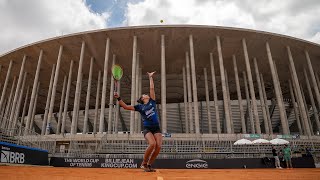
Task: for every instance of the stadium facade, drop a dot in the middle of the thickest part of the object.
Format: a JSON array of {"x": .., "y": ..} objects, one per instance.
[{"x": 215, "y": 83}]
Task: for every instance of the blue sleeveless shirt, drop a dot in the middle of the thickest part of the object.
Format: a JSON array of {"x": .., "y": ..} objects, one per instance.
[{"x": 149, "y": 114}]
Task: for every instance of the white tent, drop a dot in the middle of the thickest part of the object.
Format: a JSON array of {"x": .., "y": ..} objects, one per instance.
[
  {"x": 243, "y": 142},
  {"x": 260, "y": 141},
  {"x": 279, "y": 141}
]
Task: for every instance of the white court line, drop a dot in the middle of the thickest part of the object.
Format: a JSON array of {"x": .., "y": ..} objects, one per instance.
[{"x": 159, "y": 178}]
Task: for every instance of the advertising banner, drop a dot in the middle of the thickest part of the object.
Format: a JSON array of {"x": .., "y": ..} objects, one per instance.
[
  {"x": 16, "y": 154},
  {"x": 95, "y": 162},
  {"x": 236, "y": 163}
]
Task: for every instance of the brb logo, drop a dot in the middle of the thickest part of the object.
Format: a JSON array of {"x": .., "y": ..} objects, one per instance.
[
  {"x": 197, "y": 164},
  {"x": 8, "y": 156}
]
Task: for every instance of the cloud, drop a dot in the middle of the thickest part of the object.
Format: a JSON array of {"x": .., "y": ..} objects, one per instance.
[
  {"x": 25, "y": 22},
  {"x": 290, "y": 17}
]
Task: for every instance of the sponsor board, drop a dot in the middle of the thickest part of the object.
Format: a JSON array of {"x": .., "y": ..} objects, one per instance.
[
  {"x": 12, "y": 157},
  {"x": 196, "y": 164},
  {"x": 294, "y": 136},
  {"x": 251, "y": 135},
  {"x": 95, "y": 162},
  {"x": 16, "y": 154},
  {"x": 236, "y": 163}
]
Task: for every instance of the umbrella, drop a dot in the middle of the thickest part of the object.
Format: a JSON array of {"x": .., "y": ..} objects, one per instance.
[
  {"x": 260, "y": 141},
  {"x": 279, "y": 141},
  {"x": 243, "y": 142}
]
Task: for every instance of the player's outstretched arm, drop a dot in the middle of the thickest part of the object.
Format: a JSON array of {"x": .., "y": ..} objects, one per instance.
[
  {"x": 123, "y": 104},
  {"x": 152, "y": 93}
]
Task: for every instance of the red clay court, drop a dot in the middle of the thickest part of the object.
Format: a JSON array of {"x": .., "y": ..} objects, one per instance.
[{"x": 35, "y": 173}]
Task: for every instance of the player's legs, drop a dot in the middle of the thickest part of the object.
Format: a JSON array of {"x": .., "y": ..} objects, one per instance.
[
  {"x": 158, "y": 138},
  {"x": 277, "y": 161},
  {"x": 287, "y": 161},
  {"x": 290, "y": 162},
  {"x": 151, "y": 146}
]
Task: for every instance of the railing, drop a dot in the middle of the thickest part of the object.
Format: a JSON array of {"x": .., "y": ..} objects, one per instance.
[
  {"x": 22, "y": 136},
  {"x": 185, "y": 146},
  {"x": 167, "y": 156}
]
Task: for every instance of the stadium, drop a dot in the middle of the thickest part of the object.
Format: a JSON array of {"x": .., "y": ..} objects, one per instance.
[{"x": 214, "y": 86}]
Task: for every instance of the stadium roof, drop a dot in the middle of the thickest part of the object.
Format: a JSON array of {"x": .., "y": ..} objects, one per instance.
[{"x": 149, "y": 48}]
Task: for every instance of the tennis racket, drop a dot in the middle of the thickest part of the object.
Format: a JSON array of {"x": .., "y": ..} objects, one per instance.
[{"x": 117, "y": 73}]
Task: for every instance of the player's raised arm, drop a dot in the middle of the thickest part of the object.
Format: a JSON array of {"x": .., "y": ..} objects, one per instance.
[
  {"x": 152, "y": 93},
  {"x": 123, "y": 104}
]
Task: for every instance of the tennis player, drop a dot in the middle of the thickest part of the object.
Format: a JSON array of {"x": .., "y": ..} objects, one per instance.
[{"x": 149, "y": 115}]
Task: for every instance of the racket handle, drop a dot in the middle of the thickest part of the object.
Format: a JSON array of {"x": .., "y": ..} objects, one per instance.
[{"x": 115, "y": 88}]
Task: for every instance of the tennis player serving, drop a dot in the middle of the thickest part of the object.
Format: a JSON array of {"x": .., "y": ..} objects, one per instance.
[{"x": 149, "y": 115}]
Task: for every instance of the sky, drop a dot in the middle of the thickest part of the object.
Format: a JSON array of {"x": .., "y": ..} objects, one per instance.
[{"x": 27, "y": 21}]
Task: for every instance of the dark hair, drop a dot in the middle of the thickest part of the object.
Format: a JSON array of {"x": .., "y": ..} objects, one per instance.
[{"x": 140, "y": 100}]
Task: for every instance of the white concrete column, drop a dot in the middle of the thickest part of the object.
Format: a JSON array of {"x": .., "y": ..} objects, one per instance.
[
  {"x": 58, "y": 130},
  {"x": 140, "y": 92},
  {"x": 46, "y": 111},
  {"x": 4, "y": 89},
  {"x": 24, "y": 109},
  {"x": 266, "y": 104},
  {"x": 2, "y": 111},
  {"x": 299, "y": 94},
  {"x": 77, "y": 93},
  {"x": 78, "y": 107},
  {"x": 185, "y": 99},
  {"x": 215, "y": 96},
  {"x": 133, "y": 85},
  {"x": 96, "y": 114},
  {"x": 282, "y": 109},
  {"x": 136, "y": 114},
  {"x": 34, "y": 109},
  {"x": 111, "y": 99},
  {"x": 16, "y": 94},
  {"x": 34, "y": 89},
  {"x": 251, "y": 87},
  {"x": 104, "y": 87},
  {"x": 0, "y": 76},
  {"x": 17, "y": 111},
  {"x": 317, "y": 78},
  {"x": 313, "y": 104},
  {"x": 86, "y": 113},
  {"x": 243, "y": 122},
  {"x": 295, "y": 91},
  {"x": 262, "y": 103},
  {"x": 117, "y": 109},
  {"x": 295, "y": 108},
  {"x": 54, "y": 88},
  {"x": 229, "y": 101},
  {"x": 6, "y": 114},
  {"x": 281, "y": 96},
  {"x": 253, "y": 130},
  {"x": 224, "y": 88},
  {"x": 307, "y": 110},
  {"x": 164, "y": 84},
  {"x": 66, "y": 100},
  {"x": 194, "y": 86},
  {"x": 313, "y": 79},
  {"x": 207, "y": 99},
  {"x": 189, "y": 94}
]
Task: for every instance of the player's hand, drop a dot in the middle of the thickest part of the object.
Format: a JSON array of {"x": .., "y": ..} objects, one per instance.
[
  {"x": 116, "y": 95},
  {"x": 150, "y": 74}
]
